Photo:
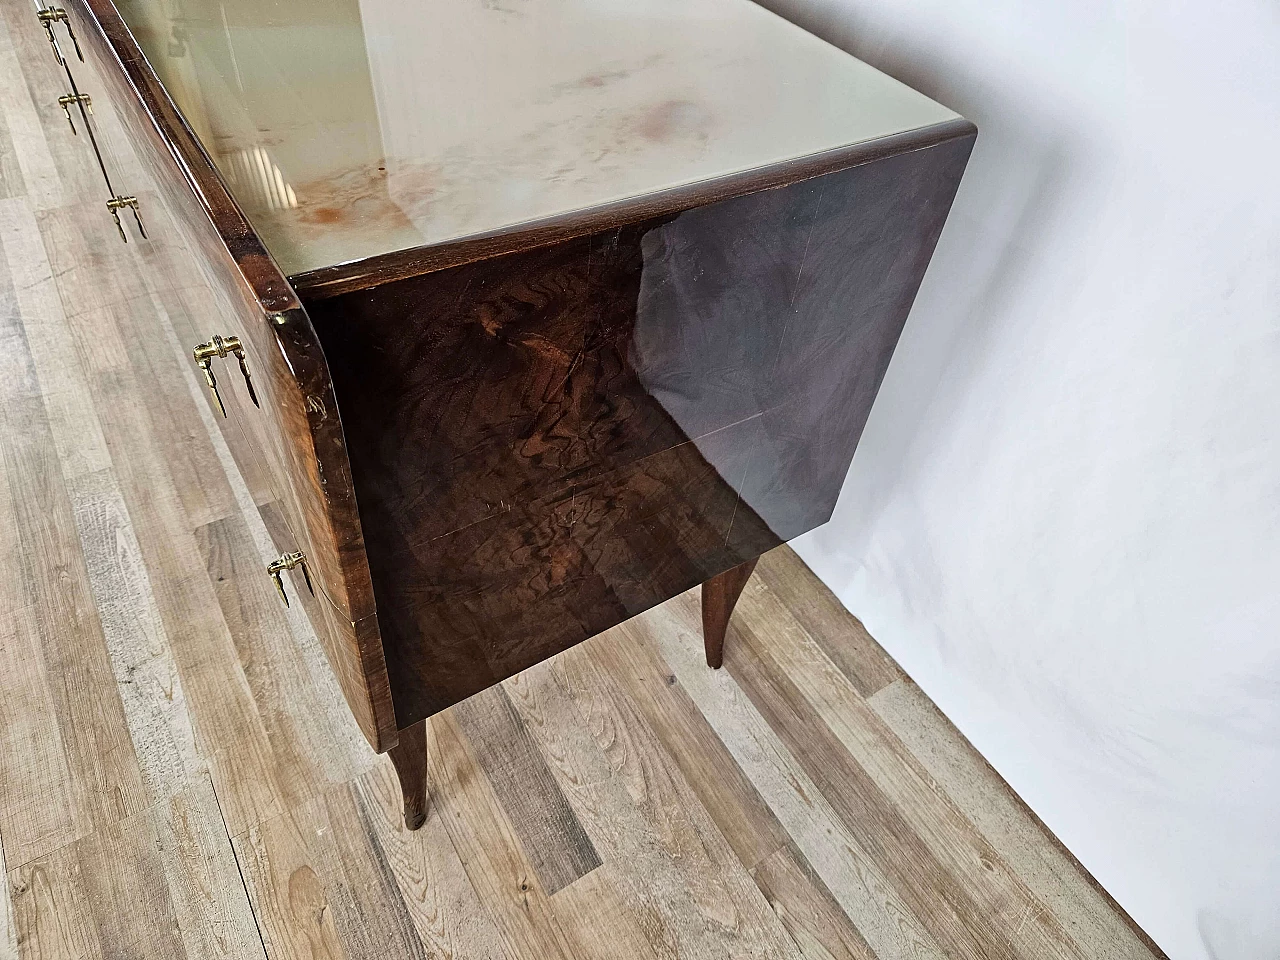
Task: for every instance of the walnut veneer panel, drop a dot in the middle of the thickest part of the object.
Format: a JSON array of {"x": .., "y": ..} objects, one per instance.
[
  {"x": 547, "y": 443},
  {"x": 297, "y": 432}
]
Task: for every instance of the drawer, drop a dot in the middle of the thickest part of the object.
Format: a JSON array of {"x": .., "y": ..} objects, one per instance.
[{"x": 292, "y": 438}]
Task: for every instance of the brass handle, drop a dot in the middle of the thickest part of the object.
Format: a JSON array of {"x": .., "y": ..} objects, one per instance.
[
  {"x": 66, "y": 101},
  {"x": 48, "y": 17},
  {"x": 223, "y": 347},
  {"x": 118, "y": 203},
  {"x": 289, "y": 561}
]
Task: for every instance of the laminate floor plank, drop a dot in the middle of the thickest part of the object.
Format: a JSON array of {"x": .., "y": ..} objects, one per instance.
[
  {"x": 488, "y": 846},
  {"x": 52, "y": 915},
  {"x": 42, "y": 185},
  {"x": 876, "y": 907},
  {"x": 985, "y": 799},
  {"x": 840, "y": 634},
  {"x": 551, "y": 835},
  {"x": 292, "y": 717},
  {"x": 63, "y": 359},
  {"x": 48, "y": 283},
  {"x": 879, "y": 781},
  {"x": 180, "y": 776},
  {"x": 670, "y": 806},
  {"x": 640, "y": 812},
  {"x": 106, "y": 781},
  {"x": 741, "y": 814},
  {"x": 8, "y": 928},
  {"x": 597, "y": 919},
  {"x": 147, "y": 678},
  {"x": 662, "y": 908},
  {"x": 36, "y": 809},
  {"x": 289, "y": 869},
  {"x": 206, "y": 492},
  {"x": 44, "y": 81},
  {"x": 322, "y": 886},
  {"x": 447, "y": 913},
  {"x": 946, "y": 907},
  {"x": 11, "y": 182},
  {"x": 161, "y": 883},
  {"x": 210, "y": 903},
  {"x": 805, "y": 906},
  {"x": 229, "y": 732}
]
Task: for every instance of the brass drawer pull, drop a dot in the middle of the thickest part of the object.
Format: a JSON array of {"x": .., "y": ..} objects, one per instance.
[
  {"x": 223, "y": 347},
  {"x": 67, "y": 100},
  {"x": 289, "y": 561},
  {"x": 118, "y": 203},
  {"x": 48, "y": 17}
]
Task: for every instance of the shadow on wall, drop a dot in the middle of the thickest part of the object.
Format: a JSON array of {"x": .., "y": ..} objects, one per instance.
[
  {"x": 1010, "y": 198},
  {"x": 1224, "y": 940}
]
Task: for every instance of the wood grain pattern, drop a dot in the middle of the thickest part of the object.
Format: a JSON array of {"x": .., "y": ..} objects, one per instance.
[
  {"x": 446, "y": 911},
  {"x": 494, "y": 858},
  {"x": 696, "y": 898},
  {"x": 547, "y": 443},
  {"x": 298, "y": 434},
  {"x": 723, "y": 788},
  {"x": 804, "y": 904},
  {"x": 42, "y": 185},
  {"x": 839, "y": 633},
  {"x": 596, "y": 918},
  {"x": 161, "y": 883},
  {"x": 105, "y": 782},
  {"x": 558, "y": 848},
  {"x": 874, "y": 904},
  {"x": 859, "y": 784},
  {"x": 1050, "y": 873},
  {"x": 8, "y": 929},
  {"x": 714, "y": 840}
]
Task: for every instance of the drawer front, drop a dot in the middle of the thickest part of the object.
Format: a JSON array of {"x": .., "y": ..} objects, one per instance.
[{"x": 292, "y": 439}]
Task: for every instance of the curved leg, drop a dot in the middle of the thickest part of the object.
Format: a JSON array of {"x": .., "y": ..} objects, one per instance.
[
  {"x": 719, "y": 595},
  {"x": 409, "y": 757}
]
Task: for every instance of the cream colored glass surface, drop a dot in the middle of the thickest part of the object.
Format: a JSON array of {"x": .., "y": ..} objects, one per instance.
[{"x": 349, "y": 128}]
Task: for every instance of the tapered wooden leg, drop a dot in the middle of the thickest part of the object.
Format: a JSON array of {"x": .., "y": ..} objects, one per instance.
[
  {"x": 719, "y": 595},
  {"x": 409, "y": 757}
]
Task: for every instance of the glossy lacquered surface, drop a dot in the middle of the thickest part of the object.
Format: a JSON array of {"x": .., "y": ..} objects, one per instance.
[
  {"x": 351, "y": 129},
  {"x": 293, "y": 439},
  {"x": 547, "y": 443}
]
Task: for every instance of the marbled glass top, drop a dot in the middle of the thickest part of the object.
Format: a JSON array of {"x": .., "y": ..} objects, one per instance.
[{"x": 349, "y": 128}]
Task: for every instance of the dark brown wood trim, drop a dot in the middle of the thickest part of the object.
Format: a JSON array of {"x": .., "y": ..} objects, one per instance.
[
  {"x": 719, "y": 596},
  {"x": 409, "y": 757},
  {"x": 297, "y": 390},
  {"x": 326, "y": 282}
]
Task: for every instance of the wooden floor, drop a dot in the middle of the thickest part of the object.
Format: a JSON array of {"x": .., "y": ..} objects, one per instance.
[{"x": 179, "y": 776}]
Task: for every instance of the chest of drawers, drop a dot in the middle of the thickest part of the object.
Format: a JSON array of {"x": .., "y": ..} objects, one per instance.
[{"x": 536, "y": 315}]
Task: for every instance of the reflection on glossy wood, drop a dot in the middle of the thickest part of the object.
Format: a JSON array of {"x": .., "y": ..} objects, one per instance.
[
  {"x": 713, "y": 841},
  {"x": 296, "y": 436},
  {"x": 548, "y": 443},
  {"x": 601, "y": 414}
]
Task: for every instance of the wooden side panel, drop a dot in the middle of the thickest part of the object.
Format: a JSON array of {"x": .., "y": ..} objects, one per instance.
[
  {"x": 296, "y": 433},
  {"x": 550, "y": 442}
]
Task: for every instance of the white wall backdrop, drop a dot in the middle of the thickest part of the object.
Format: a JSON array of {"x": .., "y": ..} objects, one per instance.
[{"x": 1064, "y": 517}]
